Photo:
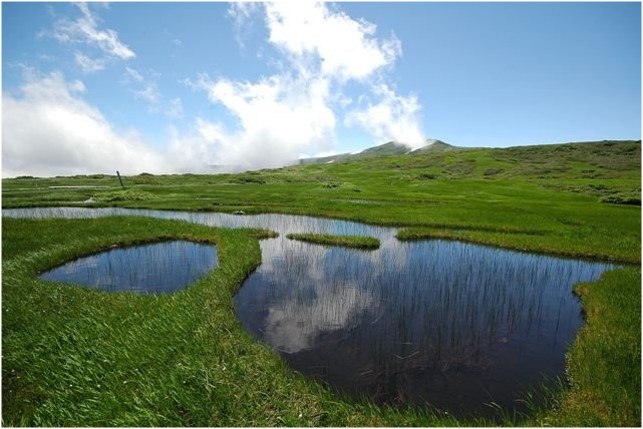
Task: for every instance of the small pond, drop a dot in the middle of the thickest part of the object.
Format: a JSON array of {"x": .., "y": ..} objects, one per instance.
[
  {"x": 436, "y": 322},
  {"x": 164, "y": 267}
]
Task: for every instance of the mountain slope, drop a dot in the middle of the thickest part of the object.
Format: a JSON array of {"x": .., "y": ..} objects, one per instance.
[{"x": 390, "y": 148}]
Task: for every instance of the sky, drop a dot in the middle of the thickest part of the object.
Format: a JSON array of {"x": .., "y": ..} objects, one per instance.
[{"x": 190, "y": 87}]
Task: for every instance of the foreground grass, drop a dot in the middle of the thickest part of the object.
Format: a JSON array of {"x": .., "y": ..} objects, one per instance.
[
  {"x": 73, "y": 356},
  {"x": 605, "y": 361},
  {"x": 353, "y": 241}
]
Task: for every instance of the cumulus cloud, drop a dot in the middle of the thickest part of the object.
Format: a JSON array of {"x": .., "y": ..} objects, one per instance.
[
  {"x": 323, "y": 57},
  {"x": 296, "y": 110},
  {"x": 344, "y": 47},
  {"x": 48, "y": 129},
  {"x": 279, "y": 116},
  {"x": 391, "y": 117}
]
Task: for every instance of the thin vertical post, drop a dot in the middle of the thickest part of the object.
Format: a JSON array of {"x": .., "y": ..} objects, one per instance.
[{"x": 119, "y": 179}]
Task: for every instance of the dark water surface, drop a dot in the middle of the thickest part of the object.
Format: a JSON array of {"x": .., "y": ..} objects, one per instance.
[
  {"x": 440, "y": 322},
  {"x": 447, "y": 323},
  {"x": 164, "y": 267}
]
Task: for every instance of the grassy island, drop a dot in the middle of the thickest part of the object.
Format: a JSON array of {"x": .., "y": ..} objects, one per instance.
[{"x": 353, "y": 241}]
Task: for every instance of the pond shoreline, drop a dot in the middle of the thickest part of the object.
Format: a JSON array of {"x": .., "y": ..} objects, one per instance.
[{"x": 226, "y": 220}]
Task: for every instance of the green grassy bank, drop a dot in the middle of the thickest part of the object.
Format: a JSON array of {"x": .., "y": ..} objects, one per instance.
[
  {"x": 77, "y": 357},
  {"x": 571, "y": 199}
]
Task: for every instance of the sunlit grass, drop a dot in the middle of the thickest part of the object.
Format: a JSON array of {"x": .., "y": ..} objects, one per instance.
[
  {"x": 75, "y": 357},
  {"x": 605, "y": 361},
  {"x": 554, "y": 191},
  {"x": 79, "y": 357}
]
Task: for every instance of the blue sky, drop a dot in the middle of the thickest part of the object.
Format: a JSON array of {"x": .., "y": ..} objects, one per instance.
[{"x": 176, "y": 87}]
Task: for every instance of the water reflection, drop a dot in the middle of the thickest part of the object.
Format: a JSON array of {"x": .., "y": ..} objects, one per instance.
[
  {"x": 451, "y": 324},
  {"x": 440, "y": 322},
  {"x": 154, "y": 268}
]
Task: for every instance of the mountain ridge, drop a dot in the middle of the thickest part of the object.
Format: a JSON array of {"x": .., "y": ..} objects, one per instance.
[{"x": 389, "y": 148}]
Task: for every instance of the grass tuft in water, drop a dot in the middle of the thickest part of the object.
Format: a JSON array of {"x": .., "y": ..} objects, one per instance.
[{"x": 354, "y": 241}]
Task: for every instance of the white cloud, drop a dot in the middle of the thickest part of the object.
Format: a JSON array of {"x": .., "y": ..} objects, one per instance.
[
  {"x": 346, "y": 48},
  {"x": 295, "y": 111},
  {"x": 50, "y": 130},
  {"x": 279, "y": 117},
  {"x": 392, "y": 117},
  {"x": 133, "y": 75},
  {"x": 85, "y": 30},
  {"x": 89, "y": 65},
  {"x": 240, "y": 13},
  {"x": 150, "y": 93}
]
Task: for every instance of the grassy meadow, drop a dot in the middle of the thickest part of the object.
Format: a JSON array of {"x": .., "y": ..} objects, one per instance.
[{"x": 79, "y": 357}]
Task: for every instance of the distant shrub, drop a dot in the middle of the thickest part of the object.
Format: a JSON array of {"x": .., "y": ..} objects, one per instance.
[
  {"x": 426, "y": 176},
  {"x": 492, "y": 171},
  {"x": 626, "y": 199},
  {"x": 248, "y": 179},
  {"x": 25, "y": 177},
  {"x": 461, "y": 168},
  {"x": 145, "y": 178}
]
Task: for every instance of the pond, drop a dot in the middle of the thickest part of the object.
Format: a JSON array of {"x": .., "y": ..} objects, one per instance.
[
  {"x": 454, "y": 325},
  {"x": 164, "y": 267}
]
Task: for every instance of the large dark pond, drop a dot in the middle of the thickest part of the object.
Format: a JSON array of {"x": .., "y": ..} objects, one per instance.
[
  {"x": 446, "y": 323},
  {"x": 455, "y": 325},
  {"x": 164, "y": 267}
]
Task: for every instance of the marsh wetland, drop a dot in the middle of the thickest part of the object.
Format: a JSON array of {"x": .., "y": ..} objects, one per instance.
[
  {"x": 453, "y": 325},
  {"x": 469, "y": 300}
]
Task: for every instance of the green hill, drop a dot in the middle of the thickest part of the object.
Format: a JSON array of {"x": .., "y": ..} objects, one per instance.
[{"x": 390, "y": 148}]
